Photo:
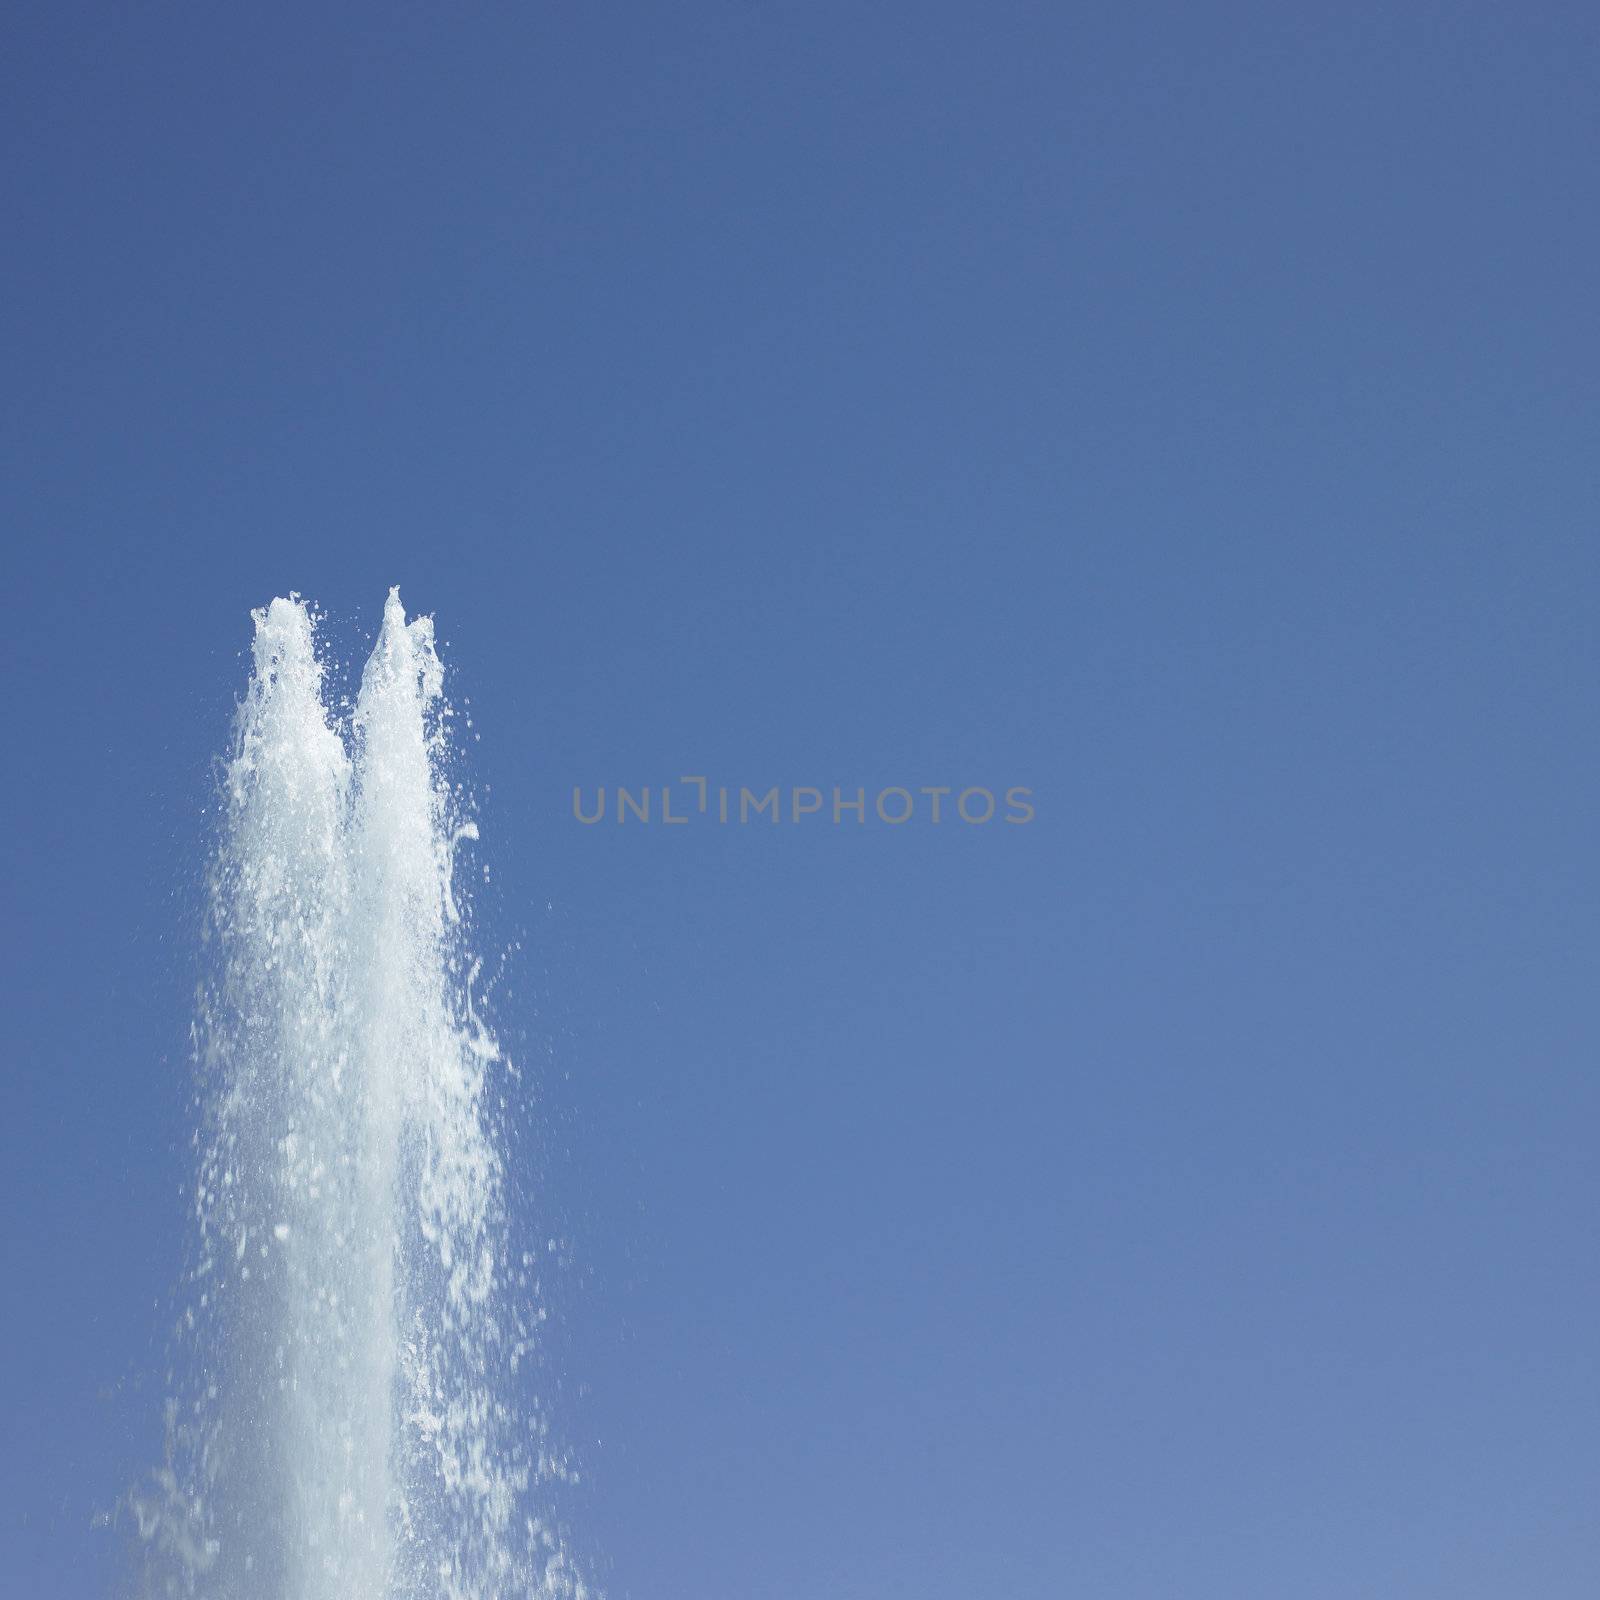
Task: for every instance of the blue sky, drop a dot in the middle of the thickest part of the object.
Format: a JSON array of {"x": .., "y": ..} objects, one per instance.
[{"x": 1185, "y": 411}]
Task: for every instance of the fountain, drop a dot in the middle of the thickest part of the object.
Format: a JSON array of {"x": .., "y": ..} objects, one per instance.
[{"x": 345, "y": 1421}]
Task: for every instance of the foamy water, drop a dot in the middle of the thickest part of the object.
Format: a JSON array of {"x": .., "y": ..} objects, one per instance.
[{"x": 344, "y": 1423}]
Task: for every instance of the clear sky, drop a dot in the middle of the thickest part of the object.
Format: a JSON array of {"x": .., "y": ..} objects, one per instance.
[{"x": 1187, "y": 411}]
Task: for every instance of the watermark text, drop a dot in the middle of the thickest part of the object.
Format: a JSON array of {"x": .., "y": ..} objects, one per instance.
[{"x": 695, "y": 798}]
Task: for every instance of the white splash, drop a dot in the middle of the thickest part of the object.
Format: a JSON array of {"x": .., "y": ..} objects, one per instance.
[{"x": 345, "y": 1426}]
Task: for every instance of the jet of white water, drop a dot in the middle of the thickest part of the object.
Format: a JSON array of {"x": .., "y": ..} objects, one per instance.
[{"x": 345, "y": 1423}]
